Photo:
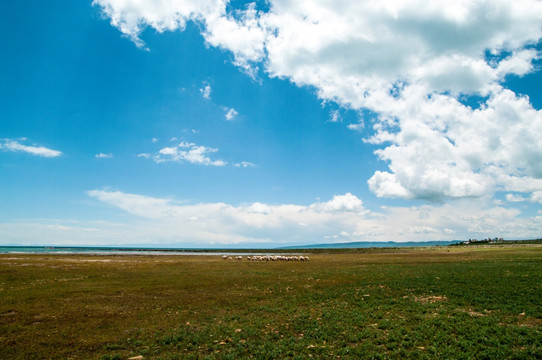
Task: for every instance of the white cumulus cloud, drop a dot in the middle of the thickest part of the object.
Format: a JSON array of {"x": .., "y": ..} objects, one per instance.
[
  {"x": 206, "y": 91},
  {"x": 409, "y": 62},
  {"x": 231, "y": 113},
  {"x": 441, "y": 148},
  {"x": 346, "y": 202},
  {"x": 189, "y": 152}
]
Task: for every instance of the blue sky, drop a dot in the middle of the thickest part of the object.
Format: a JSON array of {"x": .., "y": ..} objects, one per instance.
[{"x": 208, "y": 123}]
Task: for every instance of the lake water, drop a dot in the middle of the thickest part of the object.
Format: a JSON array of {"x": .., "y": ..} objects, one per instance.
[{"x": 115, "y": 251}]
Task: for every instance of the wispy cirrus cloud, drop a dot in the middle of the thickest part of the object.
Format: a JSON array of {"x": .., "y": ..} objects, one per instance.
[
  {"x": 16, "y": 146},
  {"x": 244, "y": 164},
  {"x": 103, "y": 156},
  {"x": 334, "y": 116},
  {"x": 359, "y": 126}
]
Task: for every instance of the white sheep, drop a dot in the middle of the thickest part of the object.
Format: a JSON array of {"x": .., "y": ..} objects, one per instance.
[{"x": 274, "y": 258}]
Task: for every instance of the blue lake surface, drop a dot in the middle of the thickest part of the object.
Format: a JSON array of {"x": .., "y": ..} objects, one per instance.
[
  {"x": 104, "y": 250},
  {"x": 115, "y": 251}
]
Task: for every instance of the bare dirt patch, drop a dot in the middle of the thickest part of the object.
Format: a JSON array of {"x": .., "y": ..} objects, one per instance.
[{"x": 430, "y": 299}]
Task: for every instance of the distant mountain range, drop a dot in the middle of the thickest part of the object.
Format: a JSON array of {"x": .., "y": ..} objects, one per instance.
[{"x": 373, "y": 244}]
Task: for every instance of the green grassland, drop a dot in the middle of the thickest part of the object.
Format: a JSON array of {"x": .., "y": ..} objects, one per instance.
[{"x": 424, "y": 303}]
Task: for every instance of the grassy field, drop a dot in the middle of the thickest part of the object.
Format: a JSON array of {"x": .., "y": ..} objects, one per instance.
[{"x": 426, "y": 303}]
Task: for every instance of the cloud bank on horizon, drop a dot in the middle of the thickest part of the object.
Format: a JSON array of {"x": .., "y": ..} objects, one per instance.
[
  {"x": 431, "y": 72},
  {"x": 344, "y": 218},
  {"x": 340, "y": 219}
]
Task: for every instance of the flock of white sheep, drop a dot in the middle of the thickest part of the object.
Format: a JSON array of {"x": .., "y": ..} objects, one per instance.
[{"x": 267, "y": 258}]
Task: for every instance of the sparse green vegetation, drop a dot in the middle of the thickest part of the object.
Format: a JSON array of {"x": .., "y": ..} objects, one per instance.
[
  {"x": 431, "y": 303},
  {"x": 498, "y": 241}
]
